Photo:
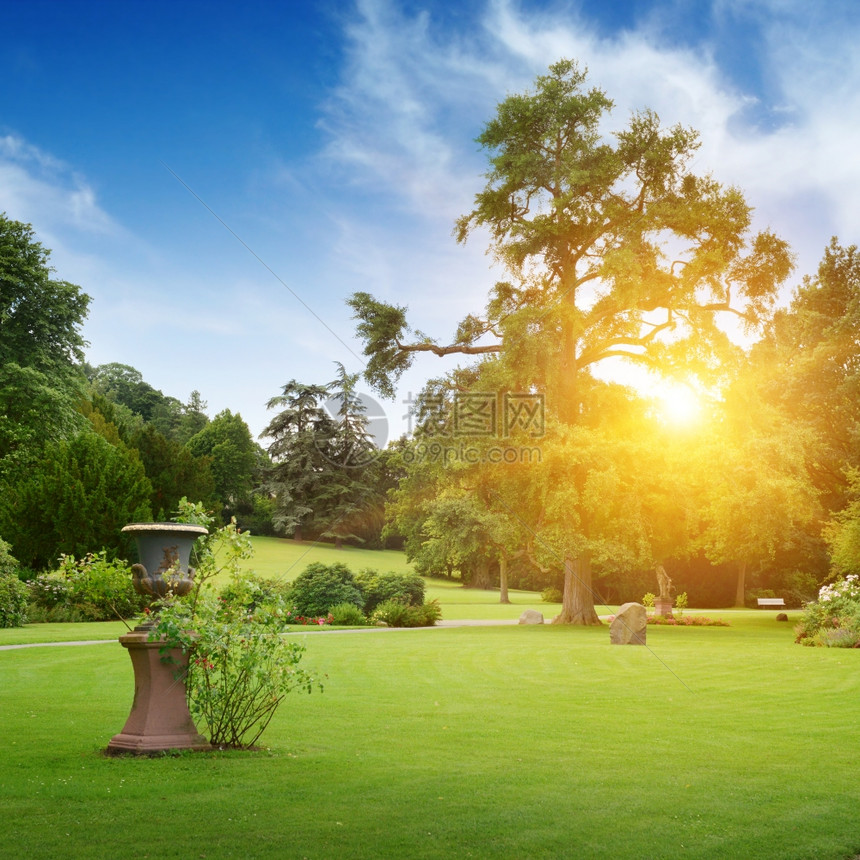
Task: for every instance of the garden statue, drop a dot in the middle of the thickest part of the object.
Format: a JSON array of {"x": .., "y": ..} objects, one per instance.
[
  {"x": 664, "y": 582},
  {"x": 663, "y": 602}
]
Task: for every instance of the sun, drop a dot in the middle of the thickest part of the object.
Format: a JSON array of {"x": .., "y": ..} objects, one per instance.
[{"x": 678, "y": 405}]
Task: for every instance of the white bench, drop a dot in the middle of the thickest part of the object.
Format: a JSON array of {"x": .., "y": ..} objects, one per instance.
[{"x": 770, "y": 601}]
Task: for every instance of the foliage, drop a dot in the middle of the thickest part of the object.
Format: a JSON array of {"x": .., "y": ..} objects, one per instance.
[
  {"x": 377, "y": 588},
  {"x": 648, "y": 599},
  {"x": 833, "y": 621},
  {"x": 347, "y": 615},
  {"x": 757, "y": 496},
  {"x": 8, "y": 563},
  {"x": 256, "y": 516},
  {"x": 40, "y": 342},
  {"x": 842, "y": 534},
  {"x": 92, "y": 588},
  {"x": 173, "y": 471},
  {"x": 394, "y": 613},
  {"x": 807, "y": 365},
  {"x": 551, "y": 594},
  {"x": 240, "y": 667},
  {"x": 319, "y": 587},
  {"x": 687, "y": 621},
  {"x": 13, "y": 592},
  {"x": 77, "y": 499},
  {"x": 681, "y": 602},
  {"x": 326, "y": 474},
  {"x": 300, "y": 432},
  {"x": 233, "y": 455},
  {"x": 249, "y": 591}
]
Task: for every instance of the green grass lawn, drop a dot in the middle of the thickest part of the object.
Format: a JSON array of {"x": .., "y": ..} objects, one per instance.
[
  {"x": 514, "y": 742},
  {"x": 282, "y": 558}
]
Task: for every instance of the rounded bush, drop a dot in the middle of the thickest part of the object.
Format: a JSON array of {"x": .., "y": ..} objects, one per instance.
[
  {"x": 13, "y": 592},
  {"x": 393, "y": 613},
  {"x": 250, "y": 591},
  {"x": 551, "y": 594},
  {"x": 378, "y": 588},
  {"x": 347, "y": 615},
  {"x": 13, "y": 601},
  {"x": 319, "y": 587}
]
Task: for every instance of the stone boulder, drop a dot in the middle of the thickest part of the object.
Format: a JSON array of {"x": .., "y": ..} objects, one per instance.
[
  {"x": 782, "y": 617},
  {"x": 629, "y": 626},
  {"x": 531, "y": 616}
]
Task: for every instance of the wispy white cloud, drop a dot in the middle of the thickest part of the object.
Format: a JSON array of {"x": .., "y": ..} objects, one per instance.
[
  {"x": 43, "y": 190},
  {"x": 391, "y": 119}
]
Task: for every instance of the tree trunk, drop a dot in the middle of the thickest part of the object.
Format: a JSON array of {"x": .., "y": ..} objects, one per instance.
[
  {"x": 503, "y": 578},
  {"x": 338, "y": 543},
  {"x": 482, "y": 575},
  {"x": 577, "y": 606},
  {"x": 740, "y": 594},
  {"x": 297, "y": 534}
]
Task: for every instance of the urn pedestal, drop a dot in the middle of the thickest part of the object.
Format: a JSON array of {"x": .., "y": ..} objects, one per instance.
[
  {"x": 159, "y": 718},
  {"x": 663, "y": 606}
]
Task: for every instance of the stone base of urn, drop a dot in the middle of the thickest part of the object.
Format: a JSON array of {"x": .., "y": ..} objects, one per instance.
[
  {"x": 663, "y": 606},
  {"x": 159, "y": 718}
]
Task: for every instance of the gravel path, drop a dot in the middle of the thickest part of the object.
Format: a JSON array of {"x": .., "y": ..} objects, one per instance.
[{"x": 460, "y": 622}]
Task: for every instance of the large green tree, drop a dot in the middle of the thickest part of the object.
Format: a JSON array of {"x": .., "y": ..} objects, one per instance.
[
  {"x": 300, "y": 433},
  {"x": 173, "y": 471},
  {"x": 807, "y": 366},
  {"x": 326, "y": 473},
  {"x": 77, "y": 499},
  {"x": 233, "y": 454},
  {"x": 612, "y": 248},
  {"x": 40, "y": 346}
]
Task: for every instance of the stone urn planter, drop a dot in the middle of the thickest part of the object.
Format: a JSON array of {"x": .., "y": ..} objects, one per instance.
[{"x": 159, "y": 718}]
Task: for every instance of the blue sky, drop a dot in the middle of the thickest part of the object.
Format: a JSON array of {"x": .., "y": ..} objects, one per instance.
[{"x": 336, "y": 141}]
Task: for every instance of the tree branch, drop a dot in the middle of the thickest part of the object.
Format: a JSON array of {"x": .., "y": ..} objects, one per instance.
[{"x": 461, "y": 349}]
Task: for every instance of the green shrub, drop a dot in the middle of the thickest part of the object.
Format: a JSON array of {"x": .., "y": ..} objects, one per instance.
[
  {"x": 648, "y": 600},
  {"x": 393, "y": 613},
  {"x": 687, "y": 621},
  {"x": 347, "y": 615},
  {"x": 551, "y": 594},
  {"x": 429, "y": 613},
  {"x": 377, "y": 588},
  {"x": 239, "y": 666},
  {"x": 48, "y": 590},
  {"x": 319, "y": 587},
  {"x": 8, "y": 563},
  {"x": 833, "y": 621},
  {"x": 54, "y": 615},
  {"x": 93, "y": 588},
  {"x": 13, "y": 592},
  {"x": 250, "y": 591}
]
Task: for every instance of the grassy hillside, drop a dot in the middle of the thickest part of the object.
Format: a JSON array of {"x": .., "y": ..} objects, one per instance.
[{"x": 282, "y": 558}]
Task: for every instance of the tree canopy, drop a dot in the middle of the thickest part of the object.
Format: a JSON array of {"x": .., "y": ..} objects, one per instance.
[{"x": 40, "y": 346}]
